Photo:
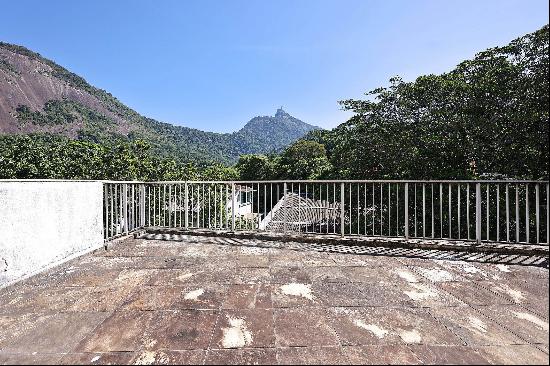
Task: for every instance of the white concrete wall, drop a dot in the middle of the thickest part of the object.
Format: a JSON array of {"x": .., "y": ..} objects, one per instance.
[{"x": 46, "y": 222}]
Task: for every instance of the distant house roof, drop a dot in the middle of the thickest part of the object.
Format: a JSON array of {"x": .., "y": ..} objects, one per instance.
[{"x": 296, "y": 213}]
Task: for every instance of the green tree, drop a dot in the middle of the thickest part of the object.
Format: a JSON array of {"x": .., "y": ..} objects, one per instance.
[
  {"x": 303, "y": 159},
  {"x": 486, "y": 118},
  {"x": 255, "y": 167}
]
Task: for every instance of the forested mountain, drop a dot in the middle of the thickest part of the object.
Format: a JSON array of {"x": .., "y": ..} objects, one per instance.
[
  {"x": 486, "y": 118},
  {"x": 37, "y": 95}
]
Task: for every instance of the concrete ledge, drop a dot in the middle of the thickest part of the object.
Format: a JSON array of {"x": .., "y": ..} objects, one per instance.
[{"x": 460, "y": 246}]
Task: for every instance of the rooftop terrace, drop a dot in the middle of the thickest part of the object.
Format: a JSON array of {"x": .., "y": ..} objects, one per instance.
[{"x": 204, "y": 300}]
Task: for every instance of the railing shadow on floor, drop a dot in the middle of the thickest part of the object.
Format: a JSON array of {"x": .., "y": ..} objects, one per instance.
[{"x": 494, "y": 258}]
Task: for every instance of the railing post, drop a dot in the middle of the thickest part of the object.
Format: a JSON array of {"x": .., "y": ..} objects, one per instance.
[
  {"x": 478, "y": 213},
  {"x": 125, "y": 206},
  {"x": 186, "y": 206},
  {"x": 225, "y": 207},
  {"x": 406, "y": 210},
  {"x": 232, "y": 206},
  {"x": 142, "y": 205},
  {"x": 170, "y": 205},
  {"x": 342, "y": 224},
  {"x": 285, "y": 208},
  {"x": 106, "y": 208}
]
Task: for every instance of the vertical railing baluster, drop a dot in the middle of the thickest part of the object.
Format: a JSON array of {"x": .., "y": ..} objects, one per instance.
[
  {"x": 358, "y": 220},
  {"x": 415, "y": 215},
  {"x": 287, "y": 206},
  {"x": 125, "y": 207},
  {"x": 498, "y": 212},
  {"x": 507, "y": 213},
  {"x": 373, "y": 211},
  {"x": 111, "y": 190},
  {"x": 117, "y": 209},
  {"x": 450, "y": 213},
  {"x": 350, "y": 210},
  {"x": 468, "y": 209},
  {"x": 527, "y": 213},
  {"x": 547, "y": 215},
  {"x": 397, "y": 209},
  {"x": 258, "y": 204},
  {"x": 458, "y": 211},
  {"x": 537, "y": 188},
  {"x": 186, "y": 203},
  {"x": 487, "y": 207},
  {"x": 334, "y": 218},
  {"x": 365, "y": 209},
  {"x": 142, "y": 205},
  {"x": 164, "y": 204},
  {"x": 478, "y": 213},
  {"x": 105, "y": 225},
  {"x": 517, "y": 213},
  {"x": 432, "y": 212},
  {"x": 170, "y": 205},
  {"x": 441, "y": 210},
  {"x": 389, "y": 209},
  {"x": 225, "y": 203},
  {"x": 328, "y": 214},
  {"x": 342, "y": 224},
  {"x": 423, "y": 210},
  {"x": 233, "y": 206},
  {"x": 407, "y": 210},
  {"x": 381, "y": 209}
]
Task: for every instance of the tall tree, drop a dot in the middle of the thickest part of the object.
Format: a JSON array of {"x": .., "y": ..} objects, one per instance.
[{"x": 487, "y": 117}]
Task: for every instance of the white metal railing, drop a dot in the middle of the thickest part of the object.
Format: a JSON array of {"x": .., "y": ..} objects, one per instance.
[{"x": 508, "y": 211}]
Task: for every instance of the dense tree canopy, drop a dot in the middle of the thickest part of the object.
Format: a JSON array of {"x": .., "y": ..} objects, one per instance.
[
  {"x": 304, "y": 159},
  {"x": 255, "y": 167},
  {"x": 487, "y": 117},
  {"x": 46, "y": 156}
]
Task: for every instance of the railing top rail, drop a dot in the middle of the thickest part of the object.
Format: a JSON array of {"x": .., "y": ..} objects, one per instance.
[
  {"x": 55, "y": 180},
  {"x": 510, "y": 181},
  {"x": 338, "y": 181}
]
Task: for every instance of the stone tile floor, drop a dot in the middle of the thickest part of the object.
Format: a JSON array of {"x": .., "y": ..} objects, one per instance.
[{"x": 207, "y": 300}]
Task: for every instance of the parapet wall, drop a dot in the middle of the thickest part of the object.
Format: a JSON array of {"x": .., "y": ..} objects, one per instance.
[{"x": 43, "y": 223}]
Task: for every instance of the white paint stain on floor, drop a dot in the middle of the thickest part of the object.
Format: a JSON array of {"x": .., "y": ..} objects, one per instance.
[
  {"x": 95, "y": 359},
  {"x": 297, "y": 289},
  {"x": 373, "y": 328},
  {"x": 237, "y": 335},
  {"x": 194, "y": 295},
  {"x": 436, "y": 275},
  {"x": 516, "y": 295},
  {"x": 422, "y": 292},
  {"x": 471, "y": 269},
  {"x": 478, "y": 324},
  {"x": 407, "y": 276},
  {"x": 151, "y": 358},
  {"x": 503, "y": 268},
  {"x": 254, "y": 250},
  {"x": 185, "y": 276},
  {"x": 533, "y": 319},
  {"x": 410, "y": 336}
]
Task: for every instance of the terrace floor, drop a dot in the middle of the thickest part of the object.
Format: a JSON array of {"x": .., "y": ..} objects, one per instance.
[{"x": 207, "y": 300}]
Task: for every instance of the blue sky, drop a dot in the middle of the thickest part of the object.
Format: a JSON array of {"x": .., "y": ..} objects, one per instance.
[{"x": 214, "y": 65}]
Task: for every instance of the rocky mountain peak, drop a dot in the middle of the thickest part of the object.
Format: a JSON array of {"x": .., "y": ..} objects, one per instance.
[{"x": 281, "y": 113}]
